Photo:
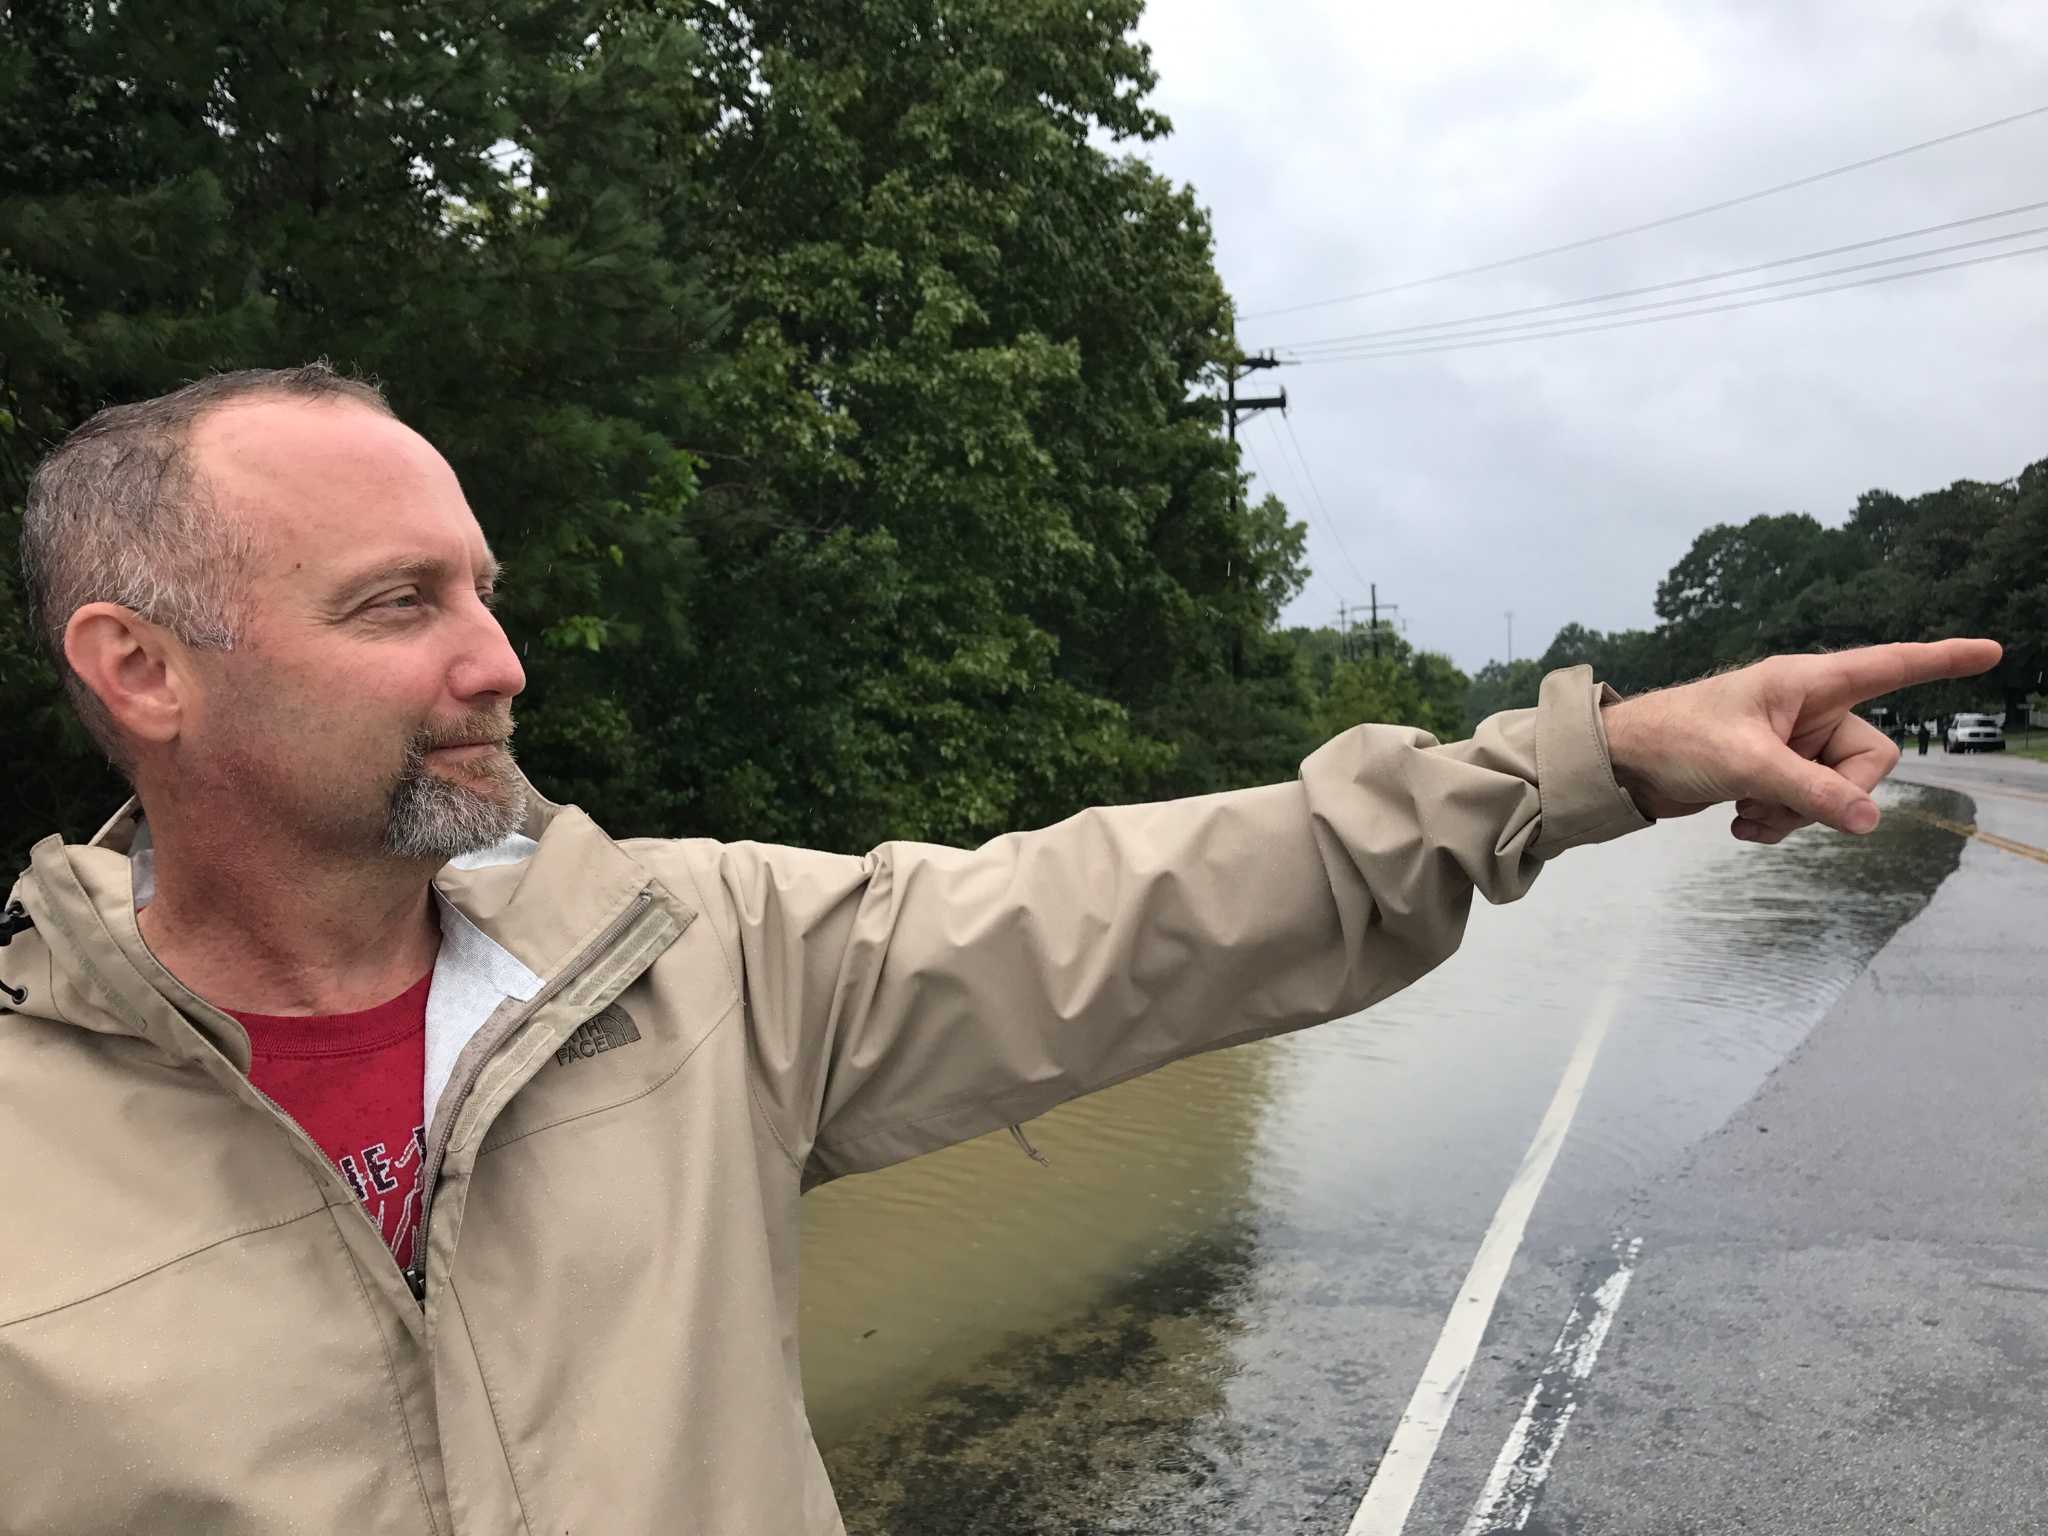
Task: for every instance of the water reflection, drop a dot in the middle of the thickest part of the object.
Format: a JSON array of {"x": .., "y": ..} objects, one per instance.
[
  {"x": 1206, "y": 1314},
  {"x": 913, "y": 1275}
]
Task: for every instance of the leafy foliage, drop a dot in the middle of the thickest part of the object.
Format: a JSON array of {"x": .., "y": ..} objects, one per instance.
[
  {"x": 836, "y": 385},
  {"x": 828, "y": 388},
  {"x": 1971, "y": 559}
]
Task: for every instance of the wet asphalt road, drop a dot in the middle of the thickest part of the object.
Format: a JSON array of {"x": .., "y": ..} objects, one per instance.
[
  {"x": 1825, "y": 1132},
  {"x": 1839, "y": 1319}
]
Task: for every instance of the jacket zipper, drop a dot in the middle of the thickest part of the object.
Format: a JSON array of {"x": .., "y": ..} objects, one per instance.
[
  {"x": 452, "y": 1102},
  {"x": 320, "y": 1156}
]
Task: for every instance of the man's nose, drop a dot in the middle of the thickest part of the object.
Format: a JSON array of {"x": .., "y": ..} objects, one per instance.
[{"x": 488, "y": 664}]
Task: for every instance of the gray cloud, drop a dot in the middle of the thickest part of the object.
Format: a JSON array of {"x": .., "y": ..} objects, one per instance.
[{"x": 1342, "y": 147}]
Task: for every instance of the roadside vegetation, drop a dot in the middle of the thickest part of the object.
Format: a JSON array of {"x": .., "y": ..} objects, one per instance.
[{"x": 843, "y": 410}]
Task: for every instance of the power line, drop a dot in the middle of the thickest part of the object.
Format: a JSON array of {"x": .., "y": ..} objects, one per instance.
[
  {"x": 1301, "y": 491},
  {"x": 1682, "y": 282},
  {"x": 1272, "y": 485},
  {"x": 1329, "y": 523},
  {"x": 1725, "y": 293},
  {"x": 1272, "y": 481},
  {"x": 1461, "y": 344},
  {"x": 1258, "y": 463},
  {"x": 1661, "y": 223},
  {"x": 1305, "y": 501}
]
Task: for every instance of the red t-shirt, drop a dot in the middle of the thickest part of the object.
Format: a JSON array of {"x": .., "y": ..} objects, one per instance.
[{"x": 352, "y": 1080}]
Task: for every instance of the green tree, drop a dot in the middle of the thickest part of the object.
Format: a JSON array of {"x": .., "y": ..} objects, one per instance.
[
  {"x": 1443, "y": 689},
  {"x": 966, "y": 335},
  {"x": 1502, "y": 685},
  {"x": 830, "y": 389},
  {"x": 481, "y": 203},
  {"x": 1633, "y": 660},
  {"x": 1398, "y": 686},
  {"x": 1369, "y": 690},
  {"x": 1726, "y": 599}
]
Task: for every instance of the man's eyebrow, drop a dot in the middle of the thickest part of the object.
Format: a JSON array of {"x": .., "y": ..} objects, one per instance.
[{"x": 421, "y": 568}]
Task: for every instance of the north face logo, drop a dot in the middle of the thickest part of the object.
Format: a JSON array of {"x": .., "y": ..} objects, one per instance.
[{"x": 607, "y": 1032}]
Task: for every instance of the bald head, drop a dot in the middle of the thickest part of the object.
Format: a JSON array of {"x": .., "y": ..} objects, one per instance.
[
  {"x": 120, "y": 514},
  {"x": 326, "y": 494},
  {"x": 334, "y": 683}
]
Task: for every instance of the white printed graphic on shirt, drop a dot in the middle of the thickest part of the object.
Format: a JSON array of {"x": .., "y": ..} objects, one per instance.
[{"x": 373, "y": 1174}]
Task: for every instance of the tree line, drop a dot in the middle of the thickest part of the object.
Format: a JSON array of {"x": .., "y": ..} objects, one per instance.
[
  {"x": 828, "y": 377},
  {"x": 1971, "y": 559},
  {"x": 835, "y": 382}
]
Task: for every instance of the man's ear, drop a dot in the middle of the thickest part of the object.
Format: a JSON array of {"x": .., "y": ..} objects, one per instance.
[{"x": 133, "y": 666}]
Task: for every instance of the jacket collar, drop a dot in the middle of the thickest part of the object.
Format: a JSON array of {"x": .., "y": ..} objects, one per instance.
[{"x": 511, "y": 916}]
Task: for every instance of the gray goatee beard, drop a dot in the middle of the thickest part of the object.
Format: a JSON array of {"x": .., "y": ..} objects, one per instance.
[{"x": 438, "y": 816}]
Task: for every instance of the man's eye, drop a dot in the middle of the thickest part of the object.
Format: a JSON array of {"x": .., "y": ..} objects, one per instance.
[{"x": 407, "y": 601}]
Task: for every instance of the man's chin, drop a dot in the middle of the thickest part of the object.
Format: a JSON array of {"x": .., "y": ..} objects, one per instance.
[{"x": 455, "y": 807}]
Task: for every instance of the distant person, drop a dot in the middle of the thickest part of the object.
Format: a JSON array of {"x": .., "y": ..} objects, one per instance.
[
  {"x": 1925, "y": 734},
  {"x": 390, "y": 1149}
]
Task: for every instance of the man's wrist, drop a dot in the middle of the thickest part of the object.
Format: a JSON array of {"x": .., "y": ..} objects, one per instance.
[{"x": 1621, "y": 721}]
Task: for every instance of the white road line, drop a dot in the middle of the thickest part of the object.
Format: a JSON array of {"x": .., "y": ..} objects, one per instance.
[
  {"x": 1402, "y": 1468},
  {"x": 1509, "y": 1497}
]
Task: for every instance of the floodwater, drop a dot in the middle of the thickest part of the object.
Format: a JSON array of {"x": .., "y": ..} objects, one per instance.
[{"x": 1206, "y": 1314}]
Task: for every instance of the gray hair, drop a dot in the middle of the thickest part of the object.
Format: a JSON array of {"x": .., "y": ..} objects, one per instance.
[{"x": 119, "y": 513}]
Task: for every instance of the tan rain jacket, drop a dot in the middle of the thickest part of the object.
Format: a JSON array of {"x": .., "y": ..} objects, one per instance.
[{"x": 639, "y": 1054}]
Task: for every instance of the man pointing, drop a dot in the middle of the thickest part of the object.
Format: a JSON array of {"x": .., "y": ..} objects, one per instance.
[{"x": 392, "y": 1150}]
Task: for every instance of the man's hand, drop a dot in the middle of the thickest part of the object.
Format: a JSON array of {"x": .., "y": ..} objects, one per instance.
[{"x": 1777, "y": 738}]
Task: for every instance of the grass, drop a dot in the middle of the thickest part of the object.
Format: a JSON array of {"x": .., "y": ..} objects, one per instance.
[{"x": 2036, "y": 748}]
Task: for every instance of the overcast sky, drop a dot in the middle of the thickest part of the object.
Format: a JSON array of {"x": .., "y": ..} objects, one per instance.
[{"x": 1346, "y": 146}]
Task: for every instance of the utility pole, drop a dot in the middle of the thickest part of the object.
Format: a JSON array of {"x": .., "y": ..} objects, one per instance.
[
  {"x": 1391, "y": 608},
  {"x": 1347, "y": 627},
  {"x": 1511, "y": 637},
  {"x": 1232, "y": 405}
]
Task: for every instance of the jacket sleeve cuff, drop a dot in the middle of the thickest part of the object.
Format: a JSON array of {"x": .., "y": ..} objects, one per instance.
[{"x": 1580, "y": 798}]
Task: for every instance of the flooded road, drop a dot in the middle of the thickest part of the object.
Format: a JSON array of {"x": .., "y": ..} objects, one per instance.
[{"x": 1209, "y": 1311}]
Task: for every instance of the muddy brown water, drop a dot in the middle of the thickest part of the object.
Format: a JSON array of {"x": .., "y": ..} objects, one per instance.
[{"x": 1204, "y": 1314}]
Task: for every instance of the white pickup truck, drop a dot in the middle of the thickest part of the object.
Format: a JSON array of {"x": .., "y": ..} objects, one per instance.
[{"x": 1974, "y": 733}]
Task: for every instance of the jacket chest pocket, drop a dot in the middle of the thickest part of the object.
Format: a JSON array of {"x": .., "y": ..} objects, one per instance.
[{"x": 625, "y": 1050}]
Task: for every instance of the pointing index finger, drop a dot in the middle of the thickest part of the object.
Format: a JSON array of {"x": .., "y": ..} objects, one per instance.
[{"x": 1879, "y": 669}]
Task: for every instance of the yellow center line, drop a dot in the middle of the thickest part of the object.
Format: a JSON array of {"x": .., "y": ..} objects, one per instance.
[{"x": 1965, "y": 829}]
